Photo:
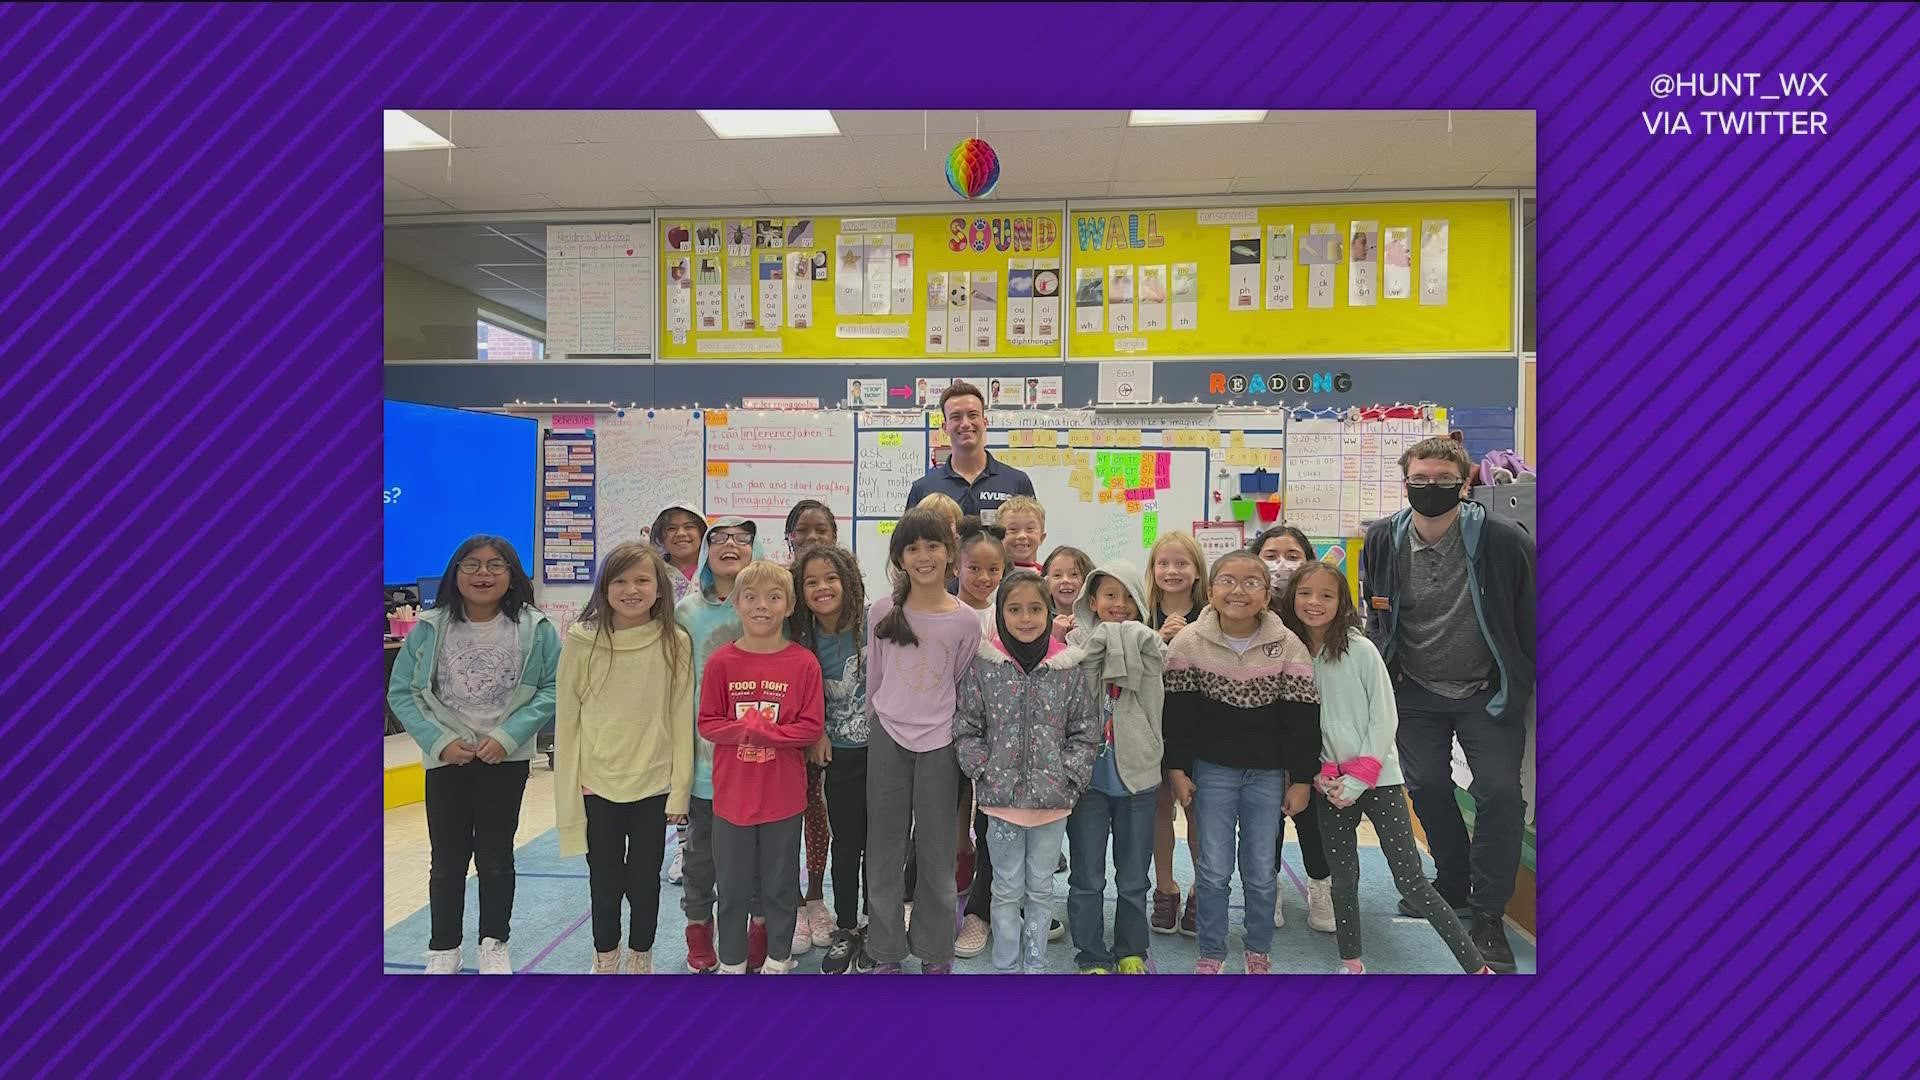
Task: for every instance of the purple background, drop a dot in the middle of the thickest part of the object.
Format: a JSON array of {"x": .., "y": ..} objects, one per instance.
[{"x": 190, "y": 199}]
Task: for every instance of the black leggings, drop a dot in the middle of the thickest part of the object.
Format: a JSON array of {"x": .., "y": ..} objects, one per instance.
[
  {"x": 625, "y": 845},
  {"x": 1313, "y": 847},
  {"x": 472, "y": 813},
  {"x": 846, "y": 792}
]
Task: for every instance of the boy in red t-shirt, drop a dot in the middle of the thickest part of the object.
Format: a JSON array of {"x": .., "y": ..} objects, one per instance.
[{"x": 762, "y": 704}]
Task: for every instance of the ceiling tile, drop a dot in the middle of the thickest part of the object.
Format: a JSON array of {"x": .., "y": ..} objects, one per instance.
[
  {"x": 812, "y": 162},
  {"x": 399, "y": 189},
  {"x": 414, "y": 206},
  {"x": 1183, "y": 153},
  {"x": 441, "y": 173},
  {"x": 710, "y": 196},
  {"x": 642, "y": 125},
  {"x": 1410, "y": 181},
  {"x": 1347, "y": 144},
  {"x": 1478, "y": 142},
  {"x": 941, "y": 122},
  {"x": 491, "y": 203},
  {"x": 1170, "y": 188},
  {"x": 1294, "y": 182},
  {"x": 923, "y": 192},
  {"x": 822, "y": 196},
  {"x": 686, "y": 164},
  {"x": 1050, "y": 189},
  {"x": 475, "y": 128},
  {"x": 898, "y": 159},
  {"x": 589, "y": 193},
  {"x": 1508, "y": 178},
  {"x": 1066, "y": 155}
]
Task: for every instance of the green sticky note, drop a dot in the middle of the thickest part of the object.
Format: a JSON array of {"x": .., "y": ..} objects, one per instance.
[
  {"x": 1102, "y": 464},
  {"x": 1132, "y": 463},
  {"x": 1149, "y": 527}
]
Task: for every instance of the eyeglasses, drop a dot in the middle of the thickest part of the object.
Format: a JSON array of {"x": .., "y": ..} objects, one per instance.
[
  {"x": 1233, "y": 585},
  {"x": 735, "y": 537},
  {"x": 491, "y": 566},
  {"x": 1422, "y": 485}
]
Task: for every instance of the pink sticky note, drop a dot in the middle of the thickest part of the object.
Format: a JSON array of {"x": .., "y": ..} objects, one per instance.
[
  {"x": 1161, "y": 482},
  {"x": 1163, "y": 463}
]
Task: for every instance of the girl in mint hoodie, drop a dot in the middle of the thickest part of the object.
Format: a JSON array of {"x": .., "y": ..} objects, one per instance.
[
  {"x": 1361, "y": 771},
  {"x": 473, "y": 685},
  {"x": 711, "y": 621}
]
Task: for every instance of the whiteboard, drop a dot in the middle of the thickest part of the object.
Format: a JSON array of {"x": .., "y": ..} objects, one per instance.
[
  {"x": 1107, "y": 530},
  {"x": 599, "y": 290},
  {"x": 870, "y": 539},
  {"x": 648, "y": 461},
  {"x": 886, "y": 467},
  {"x": 759, "y": 464},
  {"x": 1341, "y": 475}
]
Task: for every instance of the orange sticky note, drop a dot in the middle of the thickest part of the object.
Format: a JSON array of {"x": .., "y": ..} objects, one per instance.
[
  {"x": 716, "y": 468},
  {"x": 716, "y": 418}
]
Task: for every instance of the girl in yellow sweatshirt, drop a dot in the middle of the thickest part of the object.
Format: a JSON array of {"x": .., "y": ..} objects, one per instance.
[{"x": 623, "y": 751}]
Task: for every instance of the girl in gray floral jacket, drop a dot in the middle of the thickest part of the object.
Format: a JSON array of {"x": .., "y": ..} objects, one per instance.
[{"x": 1026, "y": 731}]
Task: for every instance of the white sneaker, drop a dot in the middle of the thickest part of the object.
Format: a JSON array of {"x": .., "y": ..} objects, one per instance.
[
  {"x": 493, "y": 957},
  {"x": 444, "y": 961},
  {"x": 606, "y": 963},
  {"x": 1343, "y": 969},
  {"x": 906, "y": 917},
  {"x": 734, "y": 969},
  {"x": 820, "y": 922},
  {"x": 1320, "y": 905},
  {"x": 777, "y": 967},
  {"x": 677, "y": 867},
  {"x": 972, "y": 939},
  {"x": 639, "y": 963},
  {"x": 1280, "y": 902},
  {"x": 802, "y": 933}
]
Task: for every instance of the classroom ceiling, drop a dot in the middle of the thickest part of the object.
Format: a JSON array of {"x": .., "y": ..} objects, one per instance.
[{"x": 538, "y": 162}]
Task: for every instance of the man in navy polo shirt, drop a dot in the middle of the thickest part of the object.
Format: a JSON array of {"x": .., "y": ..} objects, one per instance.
[{"x": 971, "y": 476}]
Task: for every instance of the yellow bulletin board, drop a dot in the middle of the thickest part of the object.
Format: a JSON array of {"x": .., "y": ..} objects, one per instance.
[
  {"x": 968, "y": 241},
  {"x": 1476, "y": 317}
]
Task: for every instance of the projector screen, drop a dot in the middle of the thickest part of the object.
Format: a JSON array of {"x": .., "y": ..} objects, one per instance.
[{"x": 450, "y": 474}]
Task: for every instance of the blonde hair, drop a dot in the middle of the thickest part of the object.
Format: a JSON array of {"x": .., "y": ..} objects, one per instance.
[
  {"x": 599, "y": 610},
  {"x": 1191, "y": 549},
  {"x": 1022, "y": 504},
  {"x": 762, "y": 573},
  {"x": 1439, "y": 448},
  {"x": 945, "y": 507}
]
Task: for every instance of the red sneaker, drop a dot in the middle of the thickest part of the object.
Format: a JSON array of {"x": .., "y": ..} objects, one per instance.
[
  {"x": 701, "y": 959},
  {"x": 756, "y": 945}
]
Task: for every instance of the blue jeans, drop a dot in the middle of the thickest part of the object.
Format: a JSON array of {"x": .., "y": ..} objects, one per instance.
[
  {"x": 1129, "y": 821},
  {"x": 1222, "y": 799},
  {"x": 1023, "y": 863}
]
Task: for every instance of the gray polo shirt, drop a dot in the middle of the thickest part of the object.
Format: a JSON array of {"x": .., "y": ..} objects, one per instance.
[{"x": 1440, "y": 645}]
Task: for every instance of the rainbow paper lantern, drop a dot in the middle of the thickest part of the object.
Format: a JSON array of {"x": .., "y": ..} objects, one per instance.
[{"x": 973, "y": 169}]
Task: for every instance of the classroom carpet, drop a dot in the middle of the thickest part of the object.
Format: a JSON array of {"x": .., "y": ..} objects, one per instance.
[{"x": 551, "y": 936}]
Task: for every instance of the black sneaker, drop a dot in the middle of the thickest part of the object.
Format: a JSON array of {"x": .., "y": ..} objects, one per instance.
[
  {"x": 1490, "y": 937},
  {"x": 1461, "y": 910},
  {"x": 863, "y": 964},
  {"x": 841, "y": 949}
]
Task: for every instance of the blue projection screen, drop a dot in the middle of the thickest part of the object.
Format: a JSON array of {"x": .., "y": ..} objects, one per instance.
[{"x": 450, "y": 474}]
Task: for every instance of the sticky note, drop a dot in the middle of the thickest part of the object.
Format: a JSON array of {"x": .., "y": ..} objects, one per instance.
[
  {"x": 716, "y": 418},
  {"x": 1440, "y": 414},
  {"x": 1106, "y": 495},
  {"x": 716, "y": 468},
  {"x": 1149, "y": 528},
  {"x": 1049, "y": 438},
  {"x": 1274, "y": 458},
  {"x": 1161, "y": 481},
  {"x": 1079, "y": 437},
  {"x": 1115, "y": 481},
  {"x": 1127, "y": 438},
  {"x": 1237, "y": 439},
  {"x": 1133, "y": 506},
  {"x": 890, "y": 438},
  {"x": 886, "y": 528},
  {"x": 934, "y": 419},
  {"x": 1132, "y": 467}
]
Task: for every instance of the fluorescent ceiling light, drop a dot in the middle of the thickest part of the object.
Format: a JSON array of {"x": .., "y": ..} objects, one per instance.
[
  {"x": 406, "y": 133},
  {"x": 769, "y": 123},
  {"x": 1158, "y": 117}
]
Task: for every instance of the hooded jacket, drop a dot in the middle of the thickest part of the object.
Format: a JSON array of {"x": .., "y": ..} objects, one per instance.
[
  {"x": 1257, "y": 709},
  {"x": 682, "y": 584},
  {"x": 711, "y": 622},
  {"x": 1128, "y": 655},
  {"x": 435, "y": 727},
  {"x": 1500, "y": 561},
  {"x": 1027, "y": 738},
  {"x": 618, "y": 729}
]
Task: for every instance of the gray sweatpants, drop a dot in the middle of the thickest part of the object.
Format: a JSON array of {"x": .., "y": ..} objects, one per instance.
[
  {"x": 696, "y": 867},
  {"x": 751, "y": 862},
  {"x": 913, "y": 795}
]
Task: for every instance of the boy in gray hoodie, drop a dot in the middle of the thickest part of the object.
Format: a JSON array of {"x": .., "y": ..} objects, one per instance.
[{"x": 1122, "y": 657}]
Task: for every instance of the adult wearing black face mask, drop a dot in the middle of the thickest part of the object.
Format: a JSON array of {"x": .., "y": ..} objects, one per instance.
[{"x": 1450, "y": 605}]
